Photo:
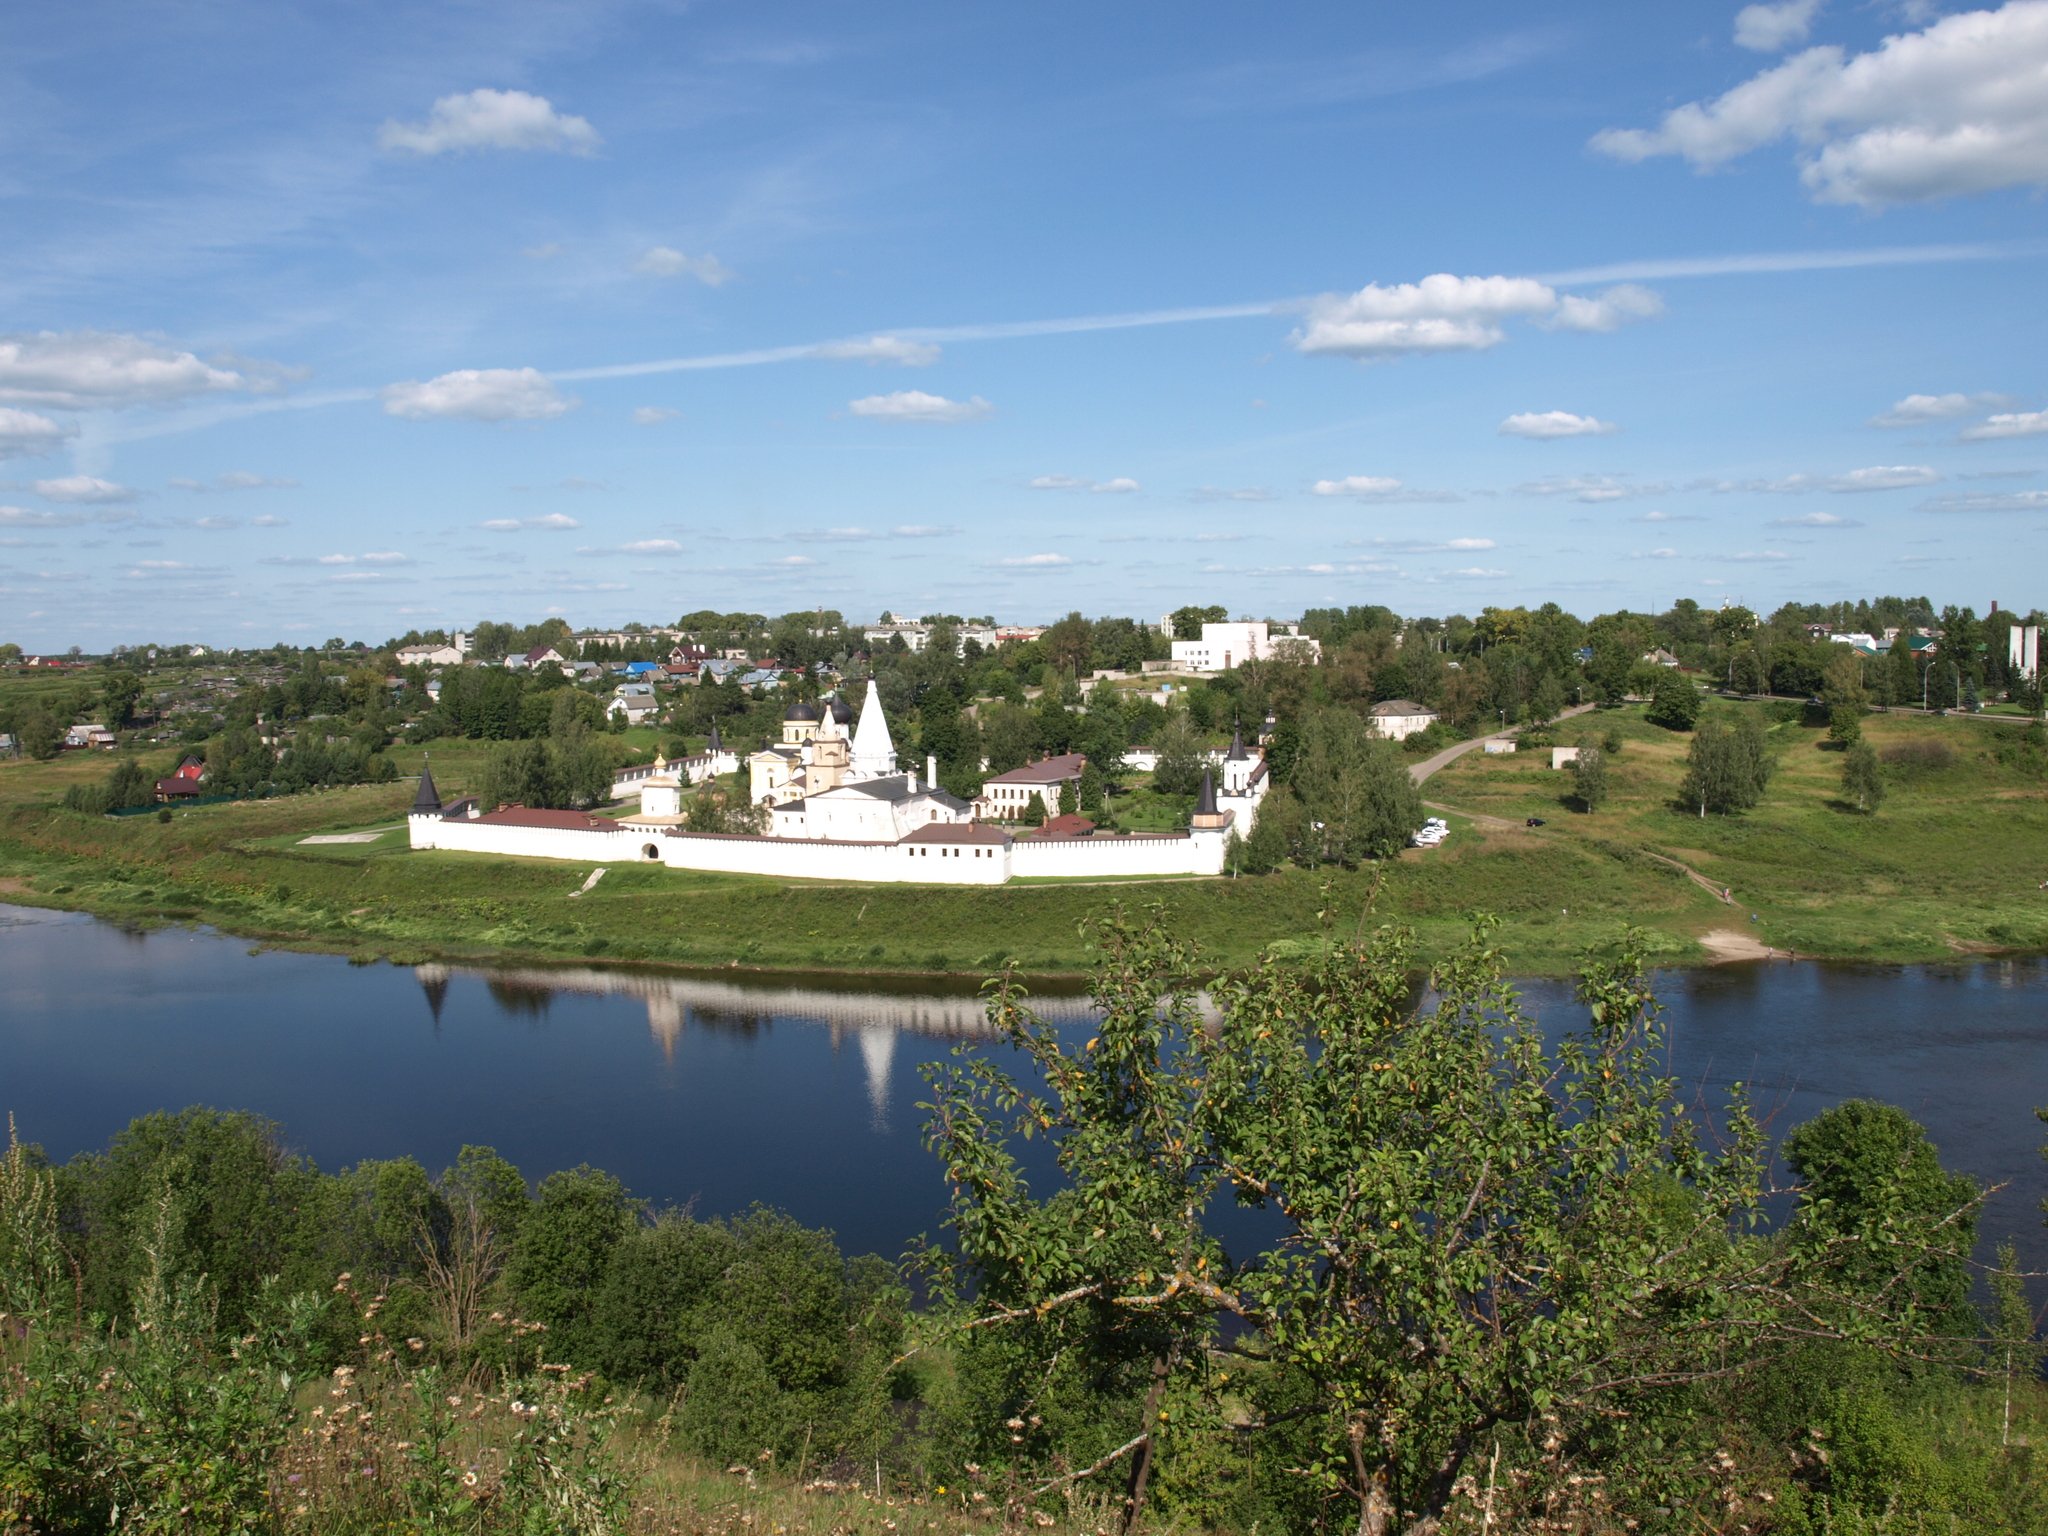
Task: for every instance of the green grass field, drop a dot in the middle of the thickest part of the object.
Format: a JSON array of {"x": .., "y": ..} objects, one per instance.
[{"x": 1951, "y": 865}]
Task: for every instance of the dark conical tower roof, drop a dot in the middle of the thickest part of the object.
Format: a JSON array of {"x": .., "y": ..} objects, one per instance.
[
  {"x": 1237, "y": 753},
  {"x": 428, "y": 801},
  {"x": 1205, "y": 802},
  {"x": 714, "y": 745}
]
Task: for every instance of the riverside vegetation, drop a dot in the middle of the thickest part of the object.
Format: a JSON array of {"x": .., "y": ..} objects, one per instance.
[
  {"x": 1506, "y": 1285},
  {"x": 1926, "y": 849}
]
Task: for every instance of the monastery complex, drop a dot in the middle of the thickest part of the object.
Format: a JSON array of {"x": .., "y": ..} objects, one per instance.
[{"x": 839, "y": 808}]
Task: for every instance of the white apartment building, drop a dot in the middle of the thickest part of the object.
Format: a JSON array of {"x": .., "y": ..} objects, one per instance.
[{"x": 1224, "y": 646}]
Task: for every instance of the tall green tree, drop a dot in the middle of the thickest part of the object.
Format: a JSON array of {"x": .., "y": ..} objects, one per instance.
[
  {"x": 1728, "y": 766},
  {"x": 1476, "y": 1227},
  {"x": 1589, "y": 776},
  {"x": 1862, "y": 778},
  {"x": 1355, "y": 788},
  {"x": 118, "y": 695},
  {"x": 1675, "y": 703}
]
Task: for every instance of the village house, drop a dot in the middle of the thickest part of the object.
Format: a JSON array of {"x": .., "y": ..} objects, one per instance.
[
  {"x": 183, "y": 784},
  {"x": 1398, "y": 719}
]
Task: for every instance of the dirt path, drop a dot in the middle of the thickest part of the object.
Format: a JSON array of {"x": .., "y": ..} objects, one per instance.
[
  {"x": 1713, "y": 888},
  {"x": 1429, "y": 765}
]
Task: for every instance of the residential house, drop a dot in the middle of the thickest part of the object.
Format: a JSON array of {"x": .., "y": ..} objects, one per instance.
[
  {"x": 1398, "y": 719},
  {"x": 1006, "y": 796},
  {"x": 538, "y": 656},
  {"x": 428, "y": 656},
  {"x": 183, "y": 784},
  {"x": 635, "y": 702},
  {"x": 91, "y": 736}
]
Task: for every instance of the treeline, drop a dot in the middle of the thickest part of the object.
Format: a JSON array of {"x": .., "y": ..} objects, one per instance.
[{"x": 1505, "y": 1283}]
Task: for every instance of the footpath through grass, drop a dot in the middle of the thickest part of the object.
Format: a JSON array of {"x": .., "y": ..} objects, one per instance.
[{"x": 1951, "y": 864}]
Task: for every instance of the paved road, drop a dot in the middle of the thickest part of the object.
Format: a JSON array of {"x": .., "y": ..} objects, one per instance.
[{"x": 1429, "y": 765}]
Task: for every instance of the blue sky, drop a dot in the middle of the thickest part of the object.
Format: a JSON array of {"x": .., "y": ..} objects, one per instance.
[{"x": 324, "y": 320}]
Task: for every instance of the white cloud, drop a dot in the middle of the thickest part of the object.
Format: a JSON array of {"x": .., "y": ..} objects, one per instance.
[
  {"x": 1918, "y": 410},
  {"x": 1443, "y": 313},
  {"x": 794, "y": 560},
  {"x": 490, "y": 119},
  {"x": 1654, "y": 554},
  {"x": 1422, "y": 546},
  {"x": 1773, "y": 28},
  {"x": 661, "y": 261},
  {"x": 1034, "y": 562},
  {"x": 1355, "y": 485},
  {"x": 84, "y": 488},
  {"x": 880, "y": 349},
  {"x": 653, "y": 415},
  {"x": 522, "y": 524},
  {"x": 1476, "y": 573},
  {"x": 385, "y": 557},
  {"x": 1666, "y": 517},
  {"x": 479, "y": 394},
  {"x": 1815, "y": 520},
  {"x": 216, "y": 524},
  {"x": 24, "y": 435},
  {"x": 653, "y": 547},
  {"x": 2011, "y": 424},
  {"x": 102, "y": 370},
  {"x": 1878, "y": 477},
  {"x": 1955, "y": 108},
  {"x": 1754, "y": 557},
  {"x": 1241, "y": 493},
  {"x": 1378, "y": 489},
  {"x": 1604, "y": 312},
  {"x": 922, "y": 531},
  {"x": 1549, "y": 424},
  {"x": 236, "y": 480},
  {"x": 268, "y": 521},
  {"x": 546, "y": 252},
  {"x": 2010, "y": 501},
  {"x": 916, "y": 405},
  {"x": 834, "y": 535},
  {"x": 22, "y": 517},
  {"x": 1122, "y": 485},
  {"x": 1590, "y": 488}
]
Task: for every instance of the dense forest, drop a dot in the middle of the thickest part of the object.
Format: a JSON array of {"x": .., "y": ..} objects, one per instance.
[{"x": 1508, "y": 1282}]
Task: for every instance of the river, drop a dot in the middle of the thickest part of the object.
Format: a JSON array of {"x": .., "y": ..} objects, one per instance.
[{"x": 803, "y": 1095}]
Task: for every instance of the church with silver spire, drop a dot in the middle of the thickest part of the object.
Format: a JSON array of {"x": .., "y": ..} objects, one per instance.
[{"x": 818, "y": 783}]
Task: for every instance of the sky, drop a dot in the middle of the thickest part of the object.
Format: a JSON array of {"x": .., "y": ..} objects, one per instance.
[{"x": 325, "y": 320}]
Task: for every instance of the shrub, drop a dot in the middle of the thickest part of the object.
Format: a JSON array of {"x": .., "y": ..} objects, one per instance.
[{"x": 1917, "y": 757}]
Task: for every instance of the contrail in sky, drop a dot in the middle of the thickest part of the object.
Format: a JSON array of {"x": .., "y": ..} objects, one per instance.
[
  {"x": 1621, "y": 271},
  {"x": 1684, "y": 266}
]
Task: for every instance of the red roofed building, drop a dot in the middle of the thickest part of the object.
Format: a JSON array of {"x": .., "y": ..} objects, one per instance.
[
  {"x": 563, "y": 821},
  {"x": 184, "y": 784}
]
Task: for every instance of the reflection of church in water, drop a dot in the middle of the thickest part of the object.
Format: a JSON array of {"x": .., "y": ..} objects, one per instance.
[{"x": 871, "y": 1019}]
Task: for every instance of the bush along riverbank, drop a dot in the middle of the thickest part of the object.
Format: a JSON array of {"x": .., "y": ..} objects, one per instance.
[{"x": 1509, "y": 1285}]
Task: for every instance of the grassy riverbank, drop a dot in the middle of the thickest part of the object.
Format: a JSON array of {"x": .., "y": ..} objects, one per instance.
[{"x": 1950, "y": 865}]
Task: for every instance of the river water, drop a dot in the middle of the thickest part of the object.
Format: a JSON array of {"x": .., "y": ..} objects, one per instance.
[{"x": 803, "y": 1096}]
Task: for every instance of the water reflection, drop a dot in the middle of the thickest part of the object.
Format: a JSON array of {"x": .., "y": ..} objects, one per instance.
[{"x": 751, "y": 1007}]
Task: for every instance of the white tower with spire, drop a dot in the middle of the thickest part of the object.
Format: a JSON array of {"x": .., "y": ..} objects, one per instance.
[{"x": 874, "y": 754}]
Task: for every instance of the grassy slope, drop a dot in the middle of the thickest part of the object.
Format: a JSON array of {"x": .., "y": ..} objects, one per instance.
[{"x": 1943, "y": 868}]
